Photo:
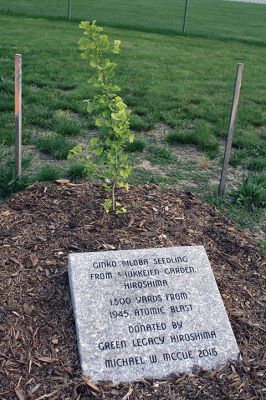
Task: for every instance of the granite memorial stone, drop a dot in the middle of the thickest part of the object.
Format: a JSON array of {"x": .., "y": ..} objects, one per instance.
[{"x": 148, "y": 313}]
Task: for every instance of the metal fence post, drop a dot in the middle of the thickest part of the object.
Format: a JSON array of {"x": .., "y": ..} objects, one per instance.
[
  {"x": 229, "y": 141},
  {"x": 69, "y": 9},
  {"x": 18, "y": 113},
  {"x": 185, "y": 16}
]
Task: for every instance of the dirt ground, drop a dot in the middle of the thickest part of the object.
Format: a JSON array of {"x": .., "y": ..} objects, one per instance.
[{"x": 42, "y": 225}]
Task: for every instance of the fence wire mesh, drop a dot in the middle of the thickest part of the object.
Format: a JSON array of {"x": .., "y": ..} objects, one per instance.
[{"x": 240, "y": 19}]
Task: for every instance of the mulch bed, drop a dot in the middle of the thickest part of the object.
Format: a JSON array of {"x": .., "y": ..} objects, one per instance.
[{"x": 42, "y": 225}]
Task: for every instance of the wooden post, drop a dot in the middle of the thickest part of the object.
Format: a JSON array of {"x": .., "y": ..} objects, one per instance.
[
  {"x": 185, "y": 17},
  {"x": 18, "y": 112},
  {"x": 69, "y": 9},
  {"x": 229, "y": 141}
]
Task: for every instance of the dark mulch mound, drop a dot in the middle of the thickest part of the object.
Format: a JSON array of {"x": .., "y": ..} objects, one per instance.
[{"x": 39, "y": 227}]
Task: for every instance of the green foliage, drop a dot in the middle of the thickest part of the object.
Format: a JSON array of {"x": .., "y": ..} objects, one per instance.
[
  {"x": 76, "y": 172},
  {"x": 136, "y": 146},
  {"x": 140, "y": 123},
  {"x": 140, "y": 110},
  {"x": 105, "y": 156},
  {"x": 253, "y": 158},
  {"x": 257, "y": 164},
  {"x": 201, "y": 137},
  {"x": 64, "y": 125},
  {"x": 252, "y": 192},
  {"x": 237, "y": 156},
  {"x": 239, "y": 215},
  {"x": 47, "y": 173},
  {"x": 66, "y": 85},
  {"x": 160, "y": 155},
  {"x": 9, "y": 184},
  {"x": 37, "y": 114},
  {"x": 26, "y": 136},
  {"x": 7, "y": 136},
  {"x": 55, "y": 145},
  {"x": 246, "y": 140},
  {"x": 6, "y": 103}
]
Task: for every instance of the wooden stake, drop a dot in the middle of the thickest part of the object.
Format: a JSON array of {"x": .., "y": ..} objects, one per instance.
[
  {"x": 185, "y": 17},
  {"x": 18, "y": 112},
  {"x": 229, "y": 141}
]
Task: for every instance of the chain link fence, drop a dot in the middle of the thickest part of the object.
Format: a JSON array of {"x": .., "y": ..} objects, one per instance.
[{"x": 239, "y": 19}]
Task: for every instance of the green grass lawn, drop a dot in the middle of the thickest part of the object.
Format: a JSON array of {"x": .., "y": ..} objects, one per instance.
[
  {"x": 184, "y": 83},
  {"x": 207, "y": 17}
]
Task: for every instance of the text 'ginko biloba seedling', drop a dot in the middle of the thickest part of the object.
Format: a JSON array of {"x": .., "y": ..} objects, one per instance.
[{"x": 104, "y": 156}]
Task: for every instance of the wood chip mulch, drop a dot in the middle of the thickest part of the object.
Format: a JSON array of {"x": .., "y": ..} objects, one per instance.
[{"x": 42, "y": 225}]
